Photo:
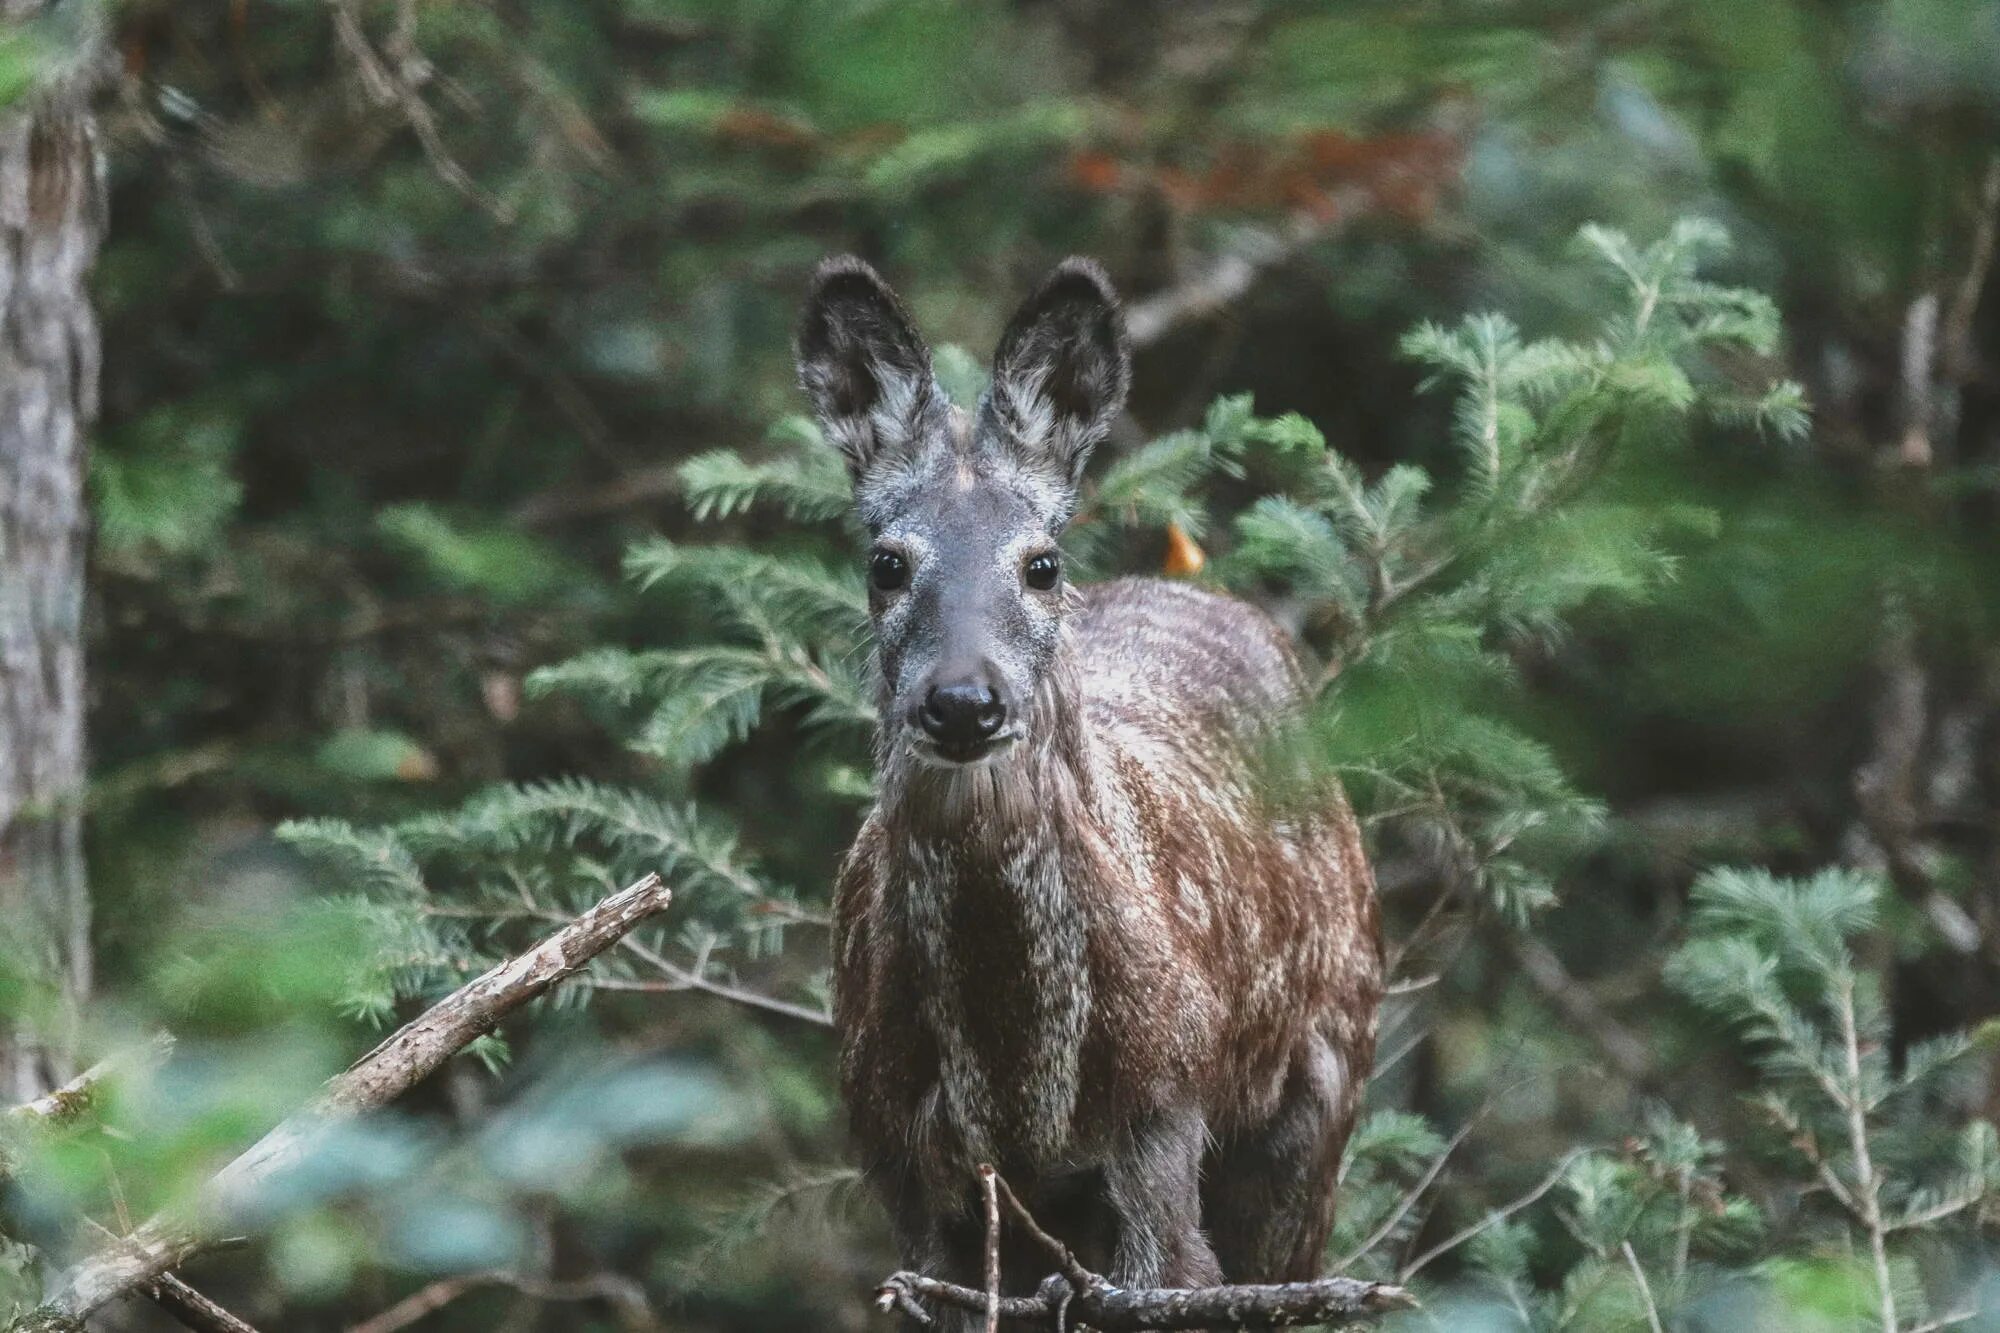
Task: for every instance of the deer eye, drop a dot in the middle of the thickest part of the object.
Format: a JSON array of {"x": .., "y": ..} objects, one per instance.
[
  {"x": 888, "y": 571},
  {"x": 1042, "y": 571}
]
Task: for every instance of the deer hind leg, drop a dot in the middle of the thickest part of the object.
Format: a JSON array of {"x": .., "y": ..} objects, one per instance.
[
  {"x": 1154, "y": 1190},
  {"x": 1268, "y": 1190},
  {"x": 932, "y": 1241}
]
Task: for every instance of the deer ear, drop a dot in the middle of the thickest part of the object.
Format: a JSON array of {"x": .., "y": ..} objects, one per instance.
[
  {"x": 1062, "y": 368},
  {"x": 862, "y": 363}
]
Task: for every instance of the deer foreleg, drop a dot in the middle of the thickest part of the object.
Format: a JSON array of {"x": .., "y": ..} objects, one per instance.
[{"x": 1154, "y": 1188}]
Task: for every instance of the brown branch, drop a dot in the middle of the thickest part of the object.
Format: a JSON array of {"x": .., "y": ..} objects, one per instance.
[
  {"x": 1108, "y": 1309},
  {"x": 681, "y": 982},
  {"x": 193, "y": 1309},
  {"x": 639, "y": 486},
  {"x": 1412, "y": 1195},
  {"x": 1958, "y": 316},
  {"x": 697, "y": 979},
  {"x": 399, "y": 1063},
  {"x": 1074, "y": 1295},
  {"x": 1071, "y": 1267},
  {"x": 1493, "y": 1218}
]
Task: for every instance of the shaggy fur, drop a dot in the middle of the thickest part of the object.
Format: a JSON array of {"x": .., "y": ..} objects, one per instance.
[{"x": 1102, "y": 956}]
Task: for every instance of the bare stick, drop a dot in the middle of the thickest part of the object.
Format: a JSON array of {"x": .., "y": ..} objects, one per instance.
[
  {"x": 386, "y": 1072},
  {"x": 1645, "y": 1287},
  {"x": 1958, "y": 350},
  {"x": 1080, "y": 1278},
  {"x": 1409, "y": 1199},
  {"x": 679, "y": 981},
  {"x": 1108, "y": 1309},
  {"x": 193, "y": 1309},
  {"x": 1573, "y": 1000},
  {"x": 989, "y": 1186},
  {"x": 1079, "y": 1294},
  {"x": 1494, "y": 1218}
]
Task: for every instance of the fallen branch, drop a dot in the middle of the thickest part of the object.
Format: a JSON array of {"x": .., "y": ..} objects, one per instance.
[
  {"x": 1074, "y": 1295},
  {"x": 405, "y": 1059},
  {"x": 1109, "y": 1309}
]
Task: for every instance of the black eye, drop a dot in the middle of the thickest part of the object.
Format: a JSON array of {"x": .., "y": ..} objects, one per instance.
[
  {"x": 1042, "y": 571},
  {"x": 888, "y": 571}
]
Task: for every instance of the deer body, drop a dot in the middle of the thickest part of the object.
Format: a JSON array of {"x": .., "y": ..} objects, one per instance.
[{"x": 1077, "y": 937}]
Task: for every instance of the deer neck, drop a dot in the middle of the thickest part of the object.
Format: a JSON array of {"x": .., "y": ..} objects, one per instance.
[{"x": 983, "y": 878}]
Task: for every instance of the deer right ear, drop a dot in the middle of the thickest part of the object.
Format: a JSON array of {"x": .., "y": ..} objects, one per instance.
[
  {"x": 862, "y": 363},
  {"x": 1061, "y": 370}
]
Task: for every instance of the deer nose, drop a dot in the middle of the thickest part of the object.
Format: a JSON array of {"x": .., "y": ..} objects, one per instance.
[{"x": 961, "y": 714}]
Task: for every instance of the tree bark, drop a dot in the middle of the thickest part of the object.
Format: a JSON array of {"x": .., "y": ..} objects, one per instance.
[{"x": 51, "y": 219}]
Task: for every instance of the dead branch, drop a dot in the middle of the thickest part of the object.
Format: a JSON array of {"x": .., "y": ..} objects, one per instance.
[
  {"x": 679, "y": 980},
  {"x": 1495, "y": 1217},
  {"x": 989, "y": 1185},
  {"x": 406, "y": 1058},
  {"x": 193, "y": 1309},
  {"x": 1074, "y": 1295},
  {"x": 188, "y": 1307},
  {"x": 1109, "y": 1309}
]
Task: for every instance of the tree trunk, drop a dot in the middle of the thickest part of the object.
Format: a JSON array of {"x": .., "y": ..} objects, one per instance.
[{"x": 51, "y": 219}]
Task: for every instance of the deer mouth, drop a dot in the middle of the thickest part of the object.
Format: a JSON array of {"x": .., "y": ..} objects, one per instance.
[{"x": 941, "y": 755}]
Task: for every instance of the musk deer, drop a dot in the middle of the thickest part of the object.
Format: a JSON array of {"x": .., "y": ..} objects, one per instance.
[{"x": 1077, "y": 937}]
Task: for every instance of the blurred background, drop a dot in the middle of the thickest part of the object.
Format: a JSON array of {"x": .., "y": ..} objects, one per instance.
[{"x": 414, "y": 314}]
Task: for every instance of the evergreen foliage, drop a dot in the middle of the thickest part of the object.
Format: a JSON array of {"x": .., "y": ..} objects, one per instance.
[{"x": 421, "y": 317}]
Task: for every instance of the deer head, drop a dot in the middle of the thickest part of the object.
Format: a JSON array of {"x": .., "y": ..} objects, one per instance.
[{"x": 965, "y": 577}]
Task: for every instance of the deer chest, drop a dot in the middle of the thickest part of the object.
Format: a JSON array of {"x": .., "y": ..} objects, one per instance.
[{"x": 999, "y": 946}]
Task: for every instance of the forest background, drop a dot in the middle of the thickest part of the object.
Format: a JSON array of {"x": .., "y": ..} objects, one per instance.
[{"x": 411, "y": 537}]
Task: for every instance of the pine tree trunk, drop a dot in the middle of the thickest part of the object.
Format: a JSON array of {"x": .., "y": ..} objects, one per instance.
[{"x": 51, "y": 219}]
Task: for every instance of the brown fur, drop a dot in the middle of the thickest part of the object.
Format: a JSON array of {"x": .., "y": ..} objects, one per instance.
[
  {"x": 1088, "y": 944},
  {"x": 1166, "y": 945}
]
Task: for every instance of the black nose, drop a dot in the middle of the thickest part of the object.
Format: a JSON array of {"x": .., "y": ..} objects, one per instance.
[{"x": 961, "y": 714}]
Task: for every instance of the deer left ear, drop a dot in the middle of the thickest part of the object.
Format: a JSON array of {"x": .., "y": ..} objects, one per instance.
[
  {"x": 863, "y": 364},
  {"x": 1061, "y": 370}
]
